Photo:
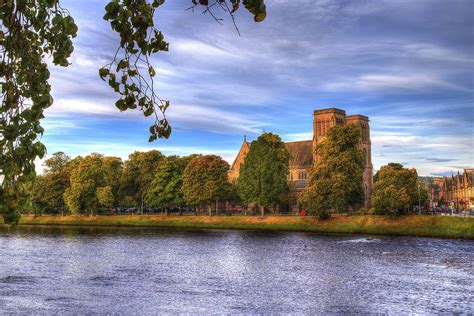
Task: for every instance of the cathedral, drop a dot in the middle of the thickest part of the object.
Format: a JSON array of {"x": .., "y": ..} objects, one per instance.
[{"x": 303, "y": 153}]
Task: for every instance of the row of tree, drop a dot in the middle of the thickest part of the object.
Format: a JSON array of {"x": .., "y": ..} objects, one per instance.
[
  {"x": 85, "y": 184},
  {"x": 150, "y": 179}
]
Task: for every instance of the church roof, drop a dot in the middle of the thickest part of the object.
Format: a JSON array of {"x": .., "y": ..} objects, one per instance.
[{"x": 301, "y": 153}]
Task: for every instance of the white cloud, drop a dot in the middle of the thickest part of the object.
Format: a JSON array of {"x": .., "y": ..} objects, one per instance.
[
  {"x": 291, "y": 137},
  {"x": 199, "y": 49},
  {"x": 390, "y": 82},
  {"x": 81, "y": 106},
  {"x": 213, "y": 119},
  {"x": 431, "y": 51}
]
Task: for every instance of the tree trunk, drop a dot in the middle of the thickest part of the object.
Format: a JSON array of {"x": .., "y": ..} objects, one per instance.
[
  {"x": 210, "y": 210},
  {"x": 262, "y": 210},
  {"x": 142, "y": 205}
]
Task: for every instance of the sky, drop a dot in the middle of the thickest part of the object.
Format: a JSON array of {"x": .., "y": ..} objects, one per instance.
[{"x": 408, "y": 65}]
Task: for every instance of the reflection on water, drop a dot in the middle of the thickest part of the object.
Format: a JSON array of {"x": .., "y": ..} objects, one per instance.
[{"x": 146, "y": 271}]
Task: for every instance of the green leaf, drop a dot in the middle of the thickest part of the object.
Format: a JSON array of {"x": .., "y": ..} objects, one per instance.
[
  {"x": 120, "y": 104},
  {"x": 148, "y": 112},
  {"x": 152, "y": 138},
  {"x": 103, "y": 72}
]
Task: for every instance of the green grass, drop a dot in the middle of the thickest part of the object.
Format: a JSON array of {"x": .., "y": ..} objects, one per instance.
[{"x": 414, "y": 225}]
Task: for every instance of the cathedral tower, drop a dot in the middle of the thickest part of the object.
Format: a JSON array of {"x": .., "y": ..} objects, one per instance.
[
  {"x": 326, "y": 118},
  {"x": 363, "y": 122},
  {"x": 323, "y": 120}
]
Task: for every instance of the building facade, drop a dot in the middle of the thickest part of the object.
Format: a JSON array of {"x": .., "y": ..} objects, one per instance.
[
  {"x": 302, "y": 153},
  {"x": 457, "y": 191}
]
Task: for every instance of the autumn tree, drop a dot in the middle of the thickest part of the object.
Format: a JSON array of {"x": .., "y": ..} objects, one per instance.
[
  {"x": 165, "y": 190},
  {"x": 263, "y": 175},
  {"x": 138, "y": 173},
  {"x": 205, "y": 181},
  {"x": 395, "y": 189},
  {"x": 336, "y": 178},
  {"x": 36, "y": 32}
]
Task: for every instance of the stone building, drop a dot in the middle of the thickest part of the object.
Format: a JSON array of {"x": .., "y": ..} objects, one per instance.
[
  {"x": 458, "y": 190},
  {"x": 303, "y": 152}
]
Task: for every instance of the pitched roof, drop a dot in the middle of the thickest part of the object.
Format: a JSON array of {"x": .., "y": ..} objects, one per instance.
[
  {"x": 301, "y": 153},
  {"x": 243, "y": 150}
]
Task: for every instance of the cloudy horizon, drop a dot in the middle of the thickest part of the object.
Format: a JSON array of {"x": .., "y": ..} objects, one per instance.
[{"x": 407, "y": 65}]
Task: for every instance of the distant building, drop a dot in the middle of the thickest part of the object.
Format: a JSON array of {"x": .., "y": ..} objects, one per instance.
[
  {"x": 303, "y": 152},
  {"x": 434, "y": 191},
  {"x": 458, "y": 190}
]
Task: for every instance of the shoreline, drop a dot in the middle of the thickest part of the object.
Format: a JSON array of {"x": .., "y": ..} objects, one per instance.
[{"x": 409, "y": 225}]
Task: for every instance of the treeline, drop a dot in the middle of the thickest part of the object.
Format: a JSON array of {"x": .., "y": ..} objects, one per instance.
[{"x": 150, "y": 179}]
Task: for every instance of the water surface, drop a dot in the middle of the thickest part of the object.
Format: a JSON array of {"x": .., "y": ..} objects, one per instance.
[{"x": 148, "y": 271}]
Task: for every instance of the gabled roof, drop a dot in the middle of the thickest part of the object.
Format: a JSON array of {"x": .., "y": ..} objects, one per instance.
[
  {"x": 244, "y": 149},
  {"x": 301, "y": 153}
]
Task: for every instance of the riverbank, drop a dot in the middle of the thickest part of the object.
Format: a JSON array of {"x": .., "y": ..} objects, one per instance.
[{"x": 414, "y": 225}]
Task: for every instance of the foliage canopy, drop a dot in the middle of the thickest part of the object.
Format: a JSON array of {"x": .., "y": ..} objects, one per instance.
[
  {"x": 205, "y": 180},
  {"x": 396, "y": 189},
  {"x": 166, "y": 188},
  {"x": 263, "y": 175},
  {"x": 138, "y": 173},
  {"x": 336, "y": 179}
]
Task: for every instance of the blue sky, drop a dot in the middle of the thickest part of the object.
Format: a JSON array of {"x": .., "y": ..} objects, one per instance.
[{"x": 408, "y": 65}]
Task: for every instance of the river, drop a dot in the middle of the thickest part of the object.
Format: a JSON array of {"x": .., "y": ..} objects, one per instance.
[{"x": 51, "y": 270}]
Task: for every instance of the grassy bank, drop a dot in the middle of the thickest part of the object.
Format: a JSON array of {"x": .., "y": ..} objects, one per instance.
[{"x": 423, "y": 226}]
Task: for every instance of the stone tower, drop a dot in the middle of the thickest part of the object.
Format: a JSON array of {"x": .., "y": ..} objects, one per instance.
[
  {"x": 363, "y": 122},
  {"x": 323, "y": 120},
  {"x": 326, "y": 118}
]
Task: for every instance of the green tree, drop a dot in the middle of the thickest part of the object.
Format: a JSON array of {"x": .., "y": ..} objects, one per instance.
[
  {"x": 336, "y": 179},
  {"x": 232, "y": 195},
  {"x": 57, "y": 180},
  {"x": 38, "y": 200},
  {"x": 88, "y": 181},
  {"x": 389, "y": 179},
  {"x": 205, "y": 181},
  {"x": 34, "y": 30},
  {"x": 138, "y": 173},
  {"x": 48, "y": 189},
  {"x": 105, "y": 196},
  {"x": 166, "y": 188},
  {"x": 263, "y": 175},
  {"x": 389, "y": 199},
  {"x": 289, "y": 198}
]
